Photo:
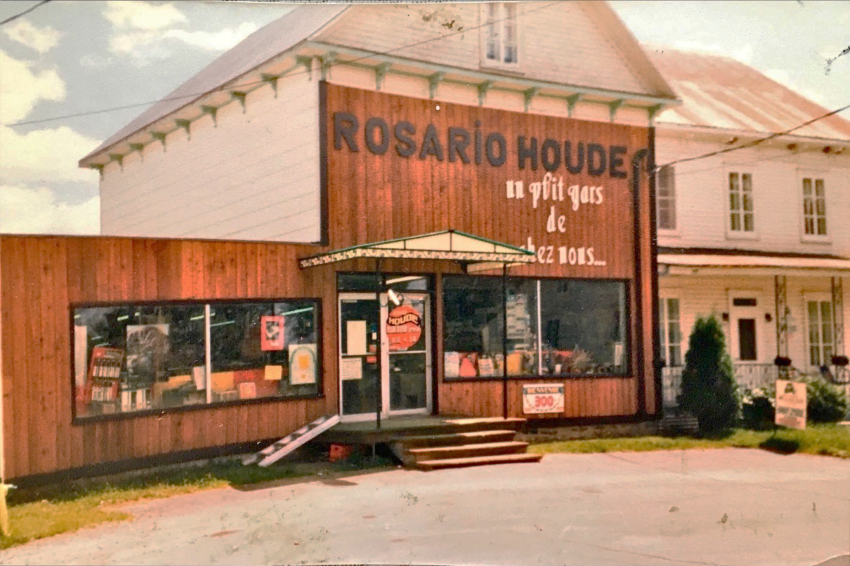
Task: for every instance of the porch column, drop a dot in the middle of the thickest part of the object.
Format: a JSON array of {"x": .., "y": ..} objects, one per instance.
[
  {"x": 780, "y": 288},
  {"x": 838, "y": 315}
]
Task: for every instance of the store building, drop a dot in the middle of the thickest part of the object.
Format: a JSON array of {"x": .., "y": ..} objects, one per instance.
[
  {"x": 421, "y": 221},
  {"x": 755, "y": 236}
]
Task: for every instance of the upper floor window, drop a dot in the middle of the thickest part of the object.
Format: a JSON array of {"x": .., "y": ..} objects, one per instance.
[
  {"x": 814, "y": 207},
  {"x": 665, "y": 198},
  {"x": 741, "y": 212},
  {"x": 501, "y": 45}
]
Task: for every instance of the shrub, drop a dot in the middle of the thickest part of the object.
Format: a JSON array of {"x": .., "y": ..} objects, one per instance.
[
  {"x": 825, "y": 403},
  {"x": 709, "y": 391},
  {"x": 758, "y": 408}
]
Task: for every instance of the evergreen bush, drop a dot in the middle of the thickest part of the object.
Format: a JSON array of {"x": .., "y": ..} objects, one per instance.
[
  {"x": 825, "y": 403},
  {"x": 709, "y": 391}
]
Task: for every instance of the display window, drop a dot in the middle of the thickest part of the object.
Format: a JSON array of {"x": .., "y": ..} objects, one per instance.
[
  {"x": 132, "y": 358},
  {"x": 530, "y": 327}
]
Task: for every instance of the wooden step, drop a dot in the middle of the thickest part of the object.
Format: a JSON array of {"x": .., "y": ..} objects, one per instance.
[
  {"x": 478, "y": 461},
  {"x": 460, "y": 425},
  {"x": 467, "y": 451},
  {"x": 456, "y": 438}
]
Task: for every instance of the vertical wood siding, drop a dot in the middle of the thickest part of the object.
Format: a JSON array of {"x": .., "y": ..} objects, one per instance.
[{"x": 42, "y": 276}]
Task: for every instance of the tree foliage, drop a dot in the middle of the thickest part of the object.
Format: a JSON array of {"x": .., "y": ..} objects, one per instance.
[{"x": 709, "y": 391}]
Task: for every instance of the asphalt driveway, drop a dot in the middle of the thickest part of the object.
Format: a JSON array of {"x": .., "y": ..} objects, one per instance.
[{"x": 712, "y": 507}]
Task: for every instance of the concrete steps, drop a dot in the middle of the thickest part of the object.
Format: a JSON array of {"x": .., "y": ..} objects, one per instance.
[{"x": 480, "y": 461}]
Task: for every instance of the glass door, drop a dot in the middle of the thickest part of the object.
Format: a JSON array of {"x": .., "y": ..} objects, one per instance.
[
  {"x": 407, "y": 357},
  {"x": 401, "y": 372},
  {"x": 359, "y": 370}
]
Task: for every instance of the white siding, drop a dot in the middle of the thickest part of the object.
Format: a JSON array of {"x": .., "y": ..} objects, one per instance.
[
  {"x": 707, "y": 295},
  {"x": 702, "y": 197},
  {"x": 250, "y": 176},
  {"x": 561, "y": 43}
]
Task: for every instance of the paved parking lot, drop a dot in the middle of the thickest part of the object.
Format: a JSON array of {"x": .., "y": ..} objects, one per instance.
[{"x": 713, "y": 507}]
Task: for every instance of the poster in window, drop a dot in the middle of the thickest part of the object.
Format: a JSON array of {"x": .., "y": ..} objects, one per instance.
[
  {"x": 302, "y": 364},
  {"x": 148, "y": 348},
  {"x": 404, "y": 328},
  {"x": 451, "y": 361},
  {"x": 271, "y": 339}
]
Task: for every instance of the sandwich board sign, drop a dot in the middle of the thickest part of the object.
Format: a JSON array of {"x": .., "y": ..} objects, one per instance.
[{"x": 791, "y": 404}]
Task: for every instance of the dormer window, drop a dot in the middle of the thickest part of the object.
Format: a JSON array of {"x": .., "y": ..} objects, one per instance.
[{"x": 500, "y": 34}]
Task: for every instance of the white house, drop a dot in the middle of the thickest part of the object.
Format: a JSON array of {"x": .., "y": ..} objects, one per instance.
[{"x": 759, "y": 235}]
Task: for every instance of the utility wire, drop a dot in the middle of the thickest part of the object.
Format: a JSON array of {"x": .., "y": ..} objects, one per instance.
[
  {"x": 754, "y": 142},
  {"x": 258, "y": 82},
  {"x": 24, "y": 13}
]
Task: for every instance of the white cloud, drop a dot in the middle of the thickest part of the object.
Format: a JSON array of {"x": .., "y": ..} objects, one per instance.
[
  {"x": 21, "y": 89},
  {"x": 213, "y": 41},
  {"x": 44, "y": 155},
  {"x": 142, "y": 15},
  {"x": 36, "y": 211},
  {"x": 39, "y": 39}
]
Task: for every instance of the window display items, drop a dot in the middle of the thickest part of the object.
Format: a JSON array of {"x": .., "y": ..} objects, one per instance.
[
  {"x": 302, "y": 364},
  {"x": 404, "y": 328},
  {"x": 273, "y": 333},
  {"x": 148, "y": 348}
]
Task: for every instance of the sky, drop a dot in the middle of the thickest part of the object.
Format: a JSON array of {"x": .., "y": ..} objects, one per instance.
[{"x": 66, "y": 58}]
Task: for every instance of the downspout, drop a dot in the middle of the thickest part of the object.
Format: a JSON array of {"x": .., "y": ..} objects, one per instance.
[{"x": 4, "y": 488}]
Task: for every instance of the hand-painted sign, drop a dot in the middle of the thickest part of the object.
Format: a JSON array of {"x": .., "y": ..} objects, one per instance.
[
  {"x": 404, "y": 328},
  {"x": 271, "y": 337},
  {"x": 791, "y": 404}
]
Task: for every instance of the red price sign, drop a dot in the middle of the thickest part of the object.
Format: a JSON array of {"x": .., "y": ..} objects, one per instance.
[{"x": 543, "y": 398}]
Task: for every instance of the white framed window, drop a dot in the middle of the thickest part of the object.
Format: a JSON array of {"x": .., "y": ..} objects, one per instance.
[
  {"x": 670, "y": 329},
  {"x": 742, "y": 220},
  {"x": 819, "y": 331},
  {"x": 665, "y": 198},
  {"x": 814, "y": 207},
  {"x": 501, "y": 34}
]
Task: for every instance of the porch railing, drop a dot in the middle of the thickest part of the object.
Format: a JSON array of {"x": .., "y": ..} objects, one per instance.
[{"x": 748, "y": 376}]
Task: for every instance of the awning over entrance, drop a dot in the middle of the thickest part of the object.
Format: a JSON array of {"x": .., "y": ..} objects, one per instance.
[{"x": 474, "y": 252}]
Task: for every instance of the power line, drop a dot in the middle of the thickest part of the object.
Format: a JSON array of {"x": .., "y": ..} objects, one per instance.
[
  {"x": 754, "y": 142},
  {"x": 258, "y": 82},
  {"x": 24, "y": 13}
]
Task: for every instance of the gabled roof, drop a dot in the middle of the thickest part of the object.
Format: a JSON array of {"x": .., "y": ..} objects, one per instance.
[
  {"x": 262, "y": 45},
  {"x": 305, "y": 23},
  {"x": 719, "y": 92}
]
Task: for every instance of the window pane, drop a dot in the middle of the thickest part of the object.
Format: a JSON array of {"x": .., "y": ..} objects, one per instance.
[
  {"x": 819, "y": 188},
  {"x": 734, "y": 202},
  {"x": 735, "y": 222},
  {"x": 130, "y": 358},
  {"x": 821, "y": 226},
  {"x": 749, "y": 223},
  {"x": 522, "y": 327},
  {"x": 821, "y": 207},
  {"x": 733, "y": 182},
  {"x": 747, "y": 182},
  {"x": 807, "y": 187},
  {"x": 584, "y": 327},
  {"x": 474, "y": 326}
]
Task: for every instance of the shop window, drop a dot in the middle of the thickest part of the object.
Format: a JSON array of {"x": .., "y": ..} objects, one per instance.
[
  {"x": 564, "y": 327},
  {"x": 741, "y": 205},
  {"x": 131, "y": 358},
  {"x": 665, "y": 198},
  {"x": 671, "y": 332},
  {"x": 814, "y": 207},
  {"x": 500, "y": 34},
  {"x": 474, "y": 327}
]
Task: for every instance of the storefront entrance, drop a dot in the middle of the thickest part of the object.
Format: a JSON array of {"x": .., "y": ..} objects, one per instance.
[{"x": 384, "y": 355}]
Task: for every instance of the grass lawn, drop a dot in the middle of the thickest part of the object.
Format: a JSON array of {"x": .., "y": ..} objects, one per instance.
[
  {"x": 829, "y": 440},
  {"x": 42, "y": 512}
]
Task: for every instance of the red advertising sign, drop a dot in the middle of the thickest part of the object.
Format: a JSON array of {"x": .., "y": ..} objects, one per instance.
[
  {"x": 271, "y": 333},
  {"x": 404, "y": 328}
]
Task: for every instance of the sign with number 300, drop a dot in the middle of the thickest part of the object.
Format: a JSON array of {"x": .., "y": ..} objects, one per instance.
[{"x": 543, "y": 398}]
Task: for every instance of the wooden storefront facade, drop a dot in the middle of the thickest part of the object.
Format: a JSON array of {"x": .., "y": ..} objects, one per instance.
[{"x": 576, "y": 193}]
